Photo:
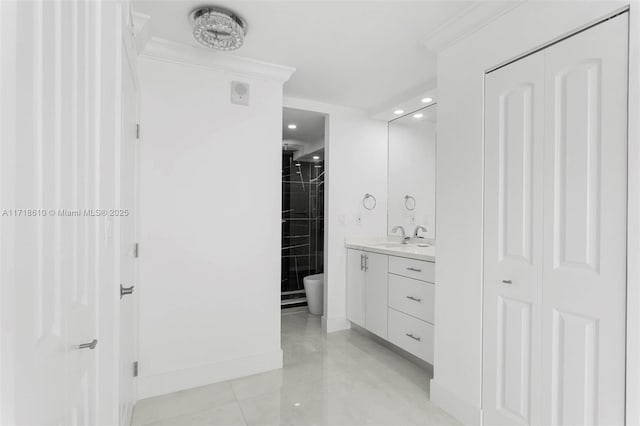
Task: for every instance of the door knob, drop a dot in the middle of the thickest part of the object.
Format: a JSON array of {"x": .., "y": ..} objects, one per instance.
[
  {"x": 90, "y": 345},
  {"x": 125, "y": 291}
]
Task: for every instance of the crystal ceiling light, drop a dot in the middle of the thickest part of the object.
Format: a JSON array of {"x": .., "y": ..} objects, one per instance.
[{"x": 218, "y": 28}]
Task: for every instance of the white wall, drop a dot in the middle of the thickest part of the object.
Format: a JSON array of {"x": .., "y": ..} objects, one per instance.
[
  {"x": 355, "y": 164},
  {"x": 210, "y": 225},
  {"x": 458, "y": 339}
]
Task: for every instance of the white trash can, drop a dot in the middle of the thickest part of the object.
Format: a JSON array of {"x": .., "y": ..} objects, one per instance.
[{"x": 314, "y": 288}]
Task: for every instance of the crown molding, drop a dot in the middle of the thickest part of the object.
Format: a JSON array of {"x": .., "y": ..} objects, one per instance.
[
  {"x": 181, "y": 53},
  {"x": 468, "y": 21},
  {"x": 141, "y": 30}
]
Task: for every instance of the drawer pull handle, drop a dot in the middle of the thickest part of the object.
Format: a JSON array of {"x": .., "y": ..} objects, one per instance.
[
  {"x": 415, "y": 299},
  {"x": 507, "y": 282},
  {"x": 414, "y": 269},
  {"x": 413, "y": 337}
]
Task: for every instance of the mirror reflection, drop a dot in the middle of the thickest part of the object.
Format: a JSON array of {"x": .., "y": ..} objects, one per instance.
[{"x": 412, "y": 174}]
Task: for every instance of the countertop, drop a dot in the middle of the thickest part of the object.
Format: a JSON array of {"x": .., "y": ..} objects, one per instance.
[{"x": 393, "y": 247}]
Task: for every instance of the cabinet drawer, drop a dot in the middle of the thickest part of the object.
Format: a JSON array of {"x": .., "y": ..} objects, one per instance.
[
  {"x": 412, "y": 297},
  {"x": 411, "y": 334},
  {"x": 417, "y": 269}
]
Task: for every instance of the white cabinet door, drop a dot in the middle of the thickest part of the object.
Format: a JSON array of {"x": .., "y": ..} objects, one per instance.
[
  {"x": 355, "y": 286},
  {"x": 585, "y": 188},
  {"x": 377, "y": 268},
  {"x": 513, "y": 242}
]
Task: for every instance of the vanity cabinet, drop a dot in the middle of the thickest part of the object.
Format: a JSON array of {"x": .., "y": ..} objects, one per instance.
[
  {"x": 411, "y": 306},
  {"x": 367, "y": 289},
  {"x": 393, "y": 297}
]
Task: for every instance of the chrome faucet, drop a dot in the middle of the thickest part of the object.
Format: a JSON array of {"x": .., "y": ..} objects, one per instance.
[
  {"x": 404, "y": 235},
  {"x": 418, "y": 229}
]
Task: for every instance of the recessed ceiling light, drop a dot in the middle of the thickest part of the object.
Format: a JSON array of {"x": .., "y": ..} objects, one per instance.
[
  {"x": 292, "y": 126},
  {"x": 315, "y": 157},
  {"x": 427, "y": 100},
  {"x": 398, "y": 112},
  {"x": 418, "y": 115}
]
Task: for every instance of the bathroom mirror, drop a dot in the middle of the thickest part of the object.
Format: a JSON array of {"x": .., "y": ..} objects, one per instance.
[{"x": 412, "y": 172}]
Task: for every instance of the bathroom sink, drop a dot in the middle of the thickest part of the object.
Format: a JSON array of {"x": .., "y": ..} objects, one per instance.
[
  {"x": 390, "y": 245},
  {"x": 400, "y": 245},
  {"x": 408, "y": 246}
]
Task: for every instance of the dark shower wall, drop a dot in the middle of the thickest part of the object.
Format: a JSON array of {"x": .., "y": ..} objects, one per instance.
[{"x": 302, "y": 225}]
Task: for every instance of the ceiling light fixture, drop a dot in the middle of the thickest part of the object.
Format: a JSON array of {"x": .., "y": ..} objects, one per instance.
[
  {"x": 418, "y": 115},
  {"x": 292, "y": 126},
  {"x": 398, "y": 112},
  {"x": 427, "y": 100},
  {"x": 218, "y": 28},
  {"x": 315, "y": 157}
]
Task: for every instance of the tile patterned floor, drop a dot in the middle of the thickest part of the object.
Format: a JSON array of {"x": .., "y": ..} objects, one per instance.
[{"x": 344, "y": 378}]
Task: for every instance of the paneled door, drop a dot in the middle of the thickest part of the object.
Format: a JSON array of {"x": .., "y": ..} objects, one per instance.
[
  {"x": 58, "y": 92},
  {"x": 513, "y": 242},
  {"x": 555, "y": 233},
  {"x": 585, "y": 204}
]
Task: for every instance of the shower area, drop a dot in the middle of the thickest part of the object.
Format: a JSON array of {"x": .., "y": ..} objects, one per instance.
[{"x": 302, "y": 203}]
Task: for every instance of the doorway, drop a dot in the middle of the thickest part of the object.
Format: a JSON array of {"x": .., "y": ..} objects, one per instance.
[{"x": 303, "y": 194}]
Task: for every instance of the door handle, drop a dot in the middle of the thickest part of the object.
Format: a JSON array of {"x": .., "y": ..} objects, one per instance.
[
  {"x": 366, "y": 262},
  {"x": 507, "y": 282},
  {"x": 415, "y": 299},
  {"x": 124, "y": 291},
  {"x": 90, "y": 345},
  {"x": 413, "y": 337},
  {"x": 362, "y": 262}
]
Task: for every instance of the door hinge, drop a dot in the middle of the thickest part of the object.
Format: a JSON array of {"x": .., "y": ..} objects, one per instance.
[
  {"x": 137, "y": 130},
  {"x": 135, "y": 369},
  {"x": 136, "y": 250}
]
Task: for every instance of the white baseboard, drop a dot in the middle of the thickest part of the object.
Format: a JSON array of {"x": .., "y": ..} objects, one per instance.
[
  {"x": 464, "y": 412},
  {"x": 173, "y": 381},
  {"x": 329, "y": 325}
]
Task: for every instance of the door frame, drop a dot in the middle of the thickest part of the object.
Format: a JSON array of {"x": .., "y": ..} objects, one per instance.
[
  {"x": 633, "y": 221},
  {"x": 632, "y": 408},
  {"x": 129, "y": 56}
]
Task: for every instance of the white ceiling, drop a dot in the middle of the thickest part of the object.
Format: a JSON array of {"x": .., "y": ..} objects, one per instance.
[
  {"x": 360, "y": 54},
  {"x": 310, "y": 125}
]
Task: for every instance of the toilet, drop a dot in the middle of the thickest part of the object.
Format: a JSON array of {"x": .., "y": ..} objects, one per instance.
[{"x": 314, "y": 288}]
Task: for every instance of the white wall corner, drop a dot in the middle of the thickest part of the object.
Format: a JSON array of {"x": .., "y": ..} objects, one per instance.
[
  {"x": 330, "y": 325},
  {"x": 463, "y": 24},
  {"x": 172, "y": 51},
  {"x": 463, "y": 411},
  {"x": 141, "y": 30}
]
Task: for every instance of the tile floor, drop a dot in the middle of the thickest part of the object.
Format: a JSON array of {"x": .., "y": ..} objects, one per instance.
[{"x": 344, "y": 378}]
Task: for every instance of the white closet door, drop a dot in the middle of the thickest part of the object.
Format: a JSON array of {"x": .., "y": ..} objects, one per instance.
[
  {"x": 513, "y": 242},
  {"x": 585, "y": 227}
]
